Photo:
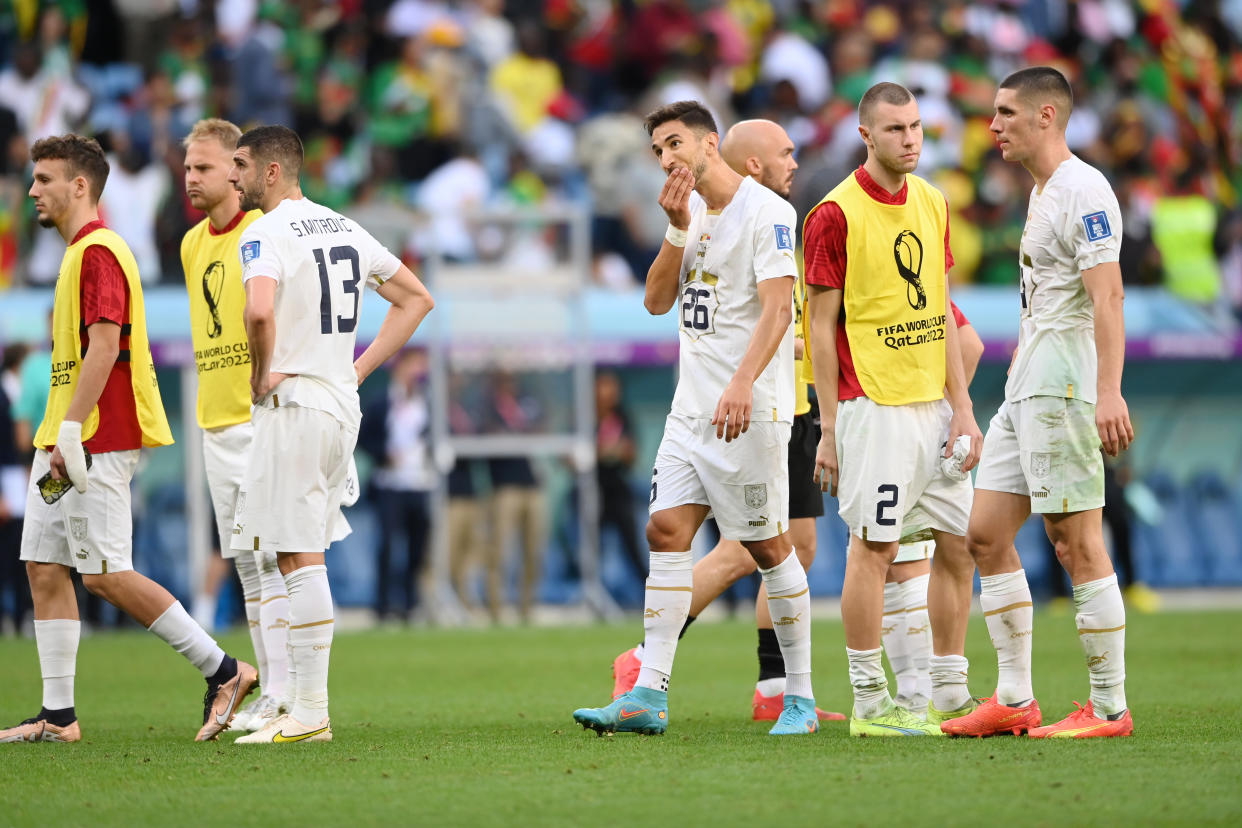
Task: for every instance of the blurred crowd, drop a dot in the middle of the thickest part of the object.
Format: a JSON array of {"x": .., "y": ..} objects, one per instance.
[{"x": 439, "y": 106}]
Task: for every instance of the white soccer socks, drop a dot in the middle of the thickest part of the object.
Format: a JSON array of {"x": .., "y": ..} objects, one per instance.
[
  {"x": 248, "y": 574},
  {"x": 870, "y": 685},
  {"x": 276, "y": 672},
  {"x": 310, "y": 640},
  {"x": 906, "y": 635},
  {"x": 1007, "y": 609},
  {"x": 183, "y": 634},
  {"x": 789, "y": 602},
  {"x": 1101, "y": 620},
  {"x": 666, "y": 607},
  {"x": 57, "y": 642}
]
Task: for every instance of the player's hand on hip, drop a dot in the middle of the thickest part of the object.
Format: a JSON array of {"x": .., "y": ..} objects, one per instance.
[
  {"x": 68, "y": 458},
  {"x": 1112, "y": 419},
  {"x": 827, "y": 471},
  {"x": 732, "y": 415},
  {"x": 963, "y": 423},
  {"x": 675, "y": 197}
]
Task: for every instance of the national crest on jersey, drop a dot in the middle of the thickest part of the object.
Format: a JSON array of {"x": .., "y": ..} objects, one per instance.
[{"x": 718, "y": 306}]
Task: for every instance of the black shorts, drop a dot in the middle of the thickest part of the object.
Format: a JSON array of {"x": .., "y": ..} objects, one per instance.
[{"x": 805, "y": 498}]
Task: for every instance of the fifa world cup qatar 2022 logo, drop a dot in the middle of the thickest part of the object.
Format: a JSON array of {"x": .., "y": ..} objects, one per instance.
[
  {"x": 908, "y": 253},
  {"x": 213, "y": 285}
]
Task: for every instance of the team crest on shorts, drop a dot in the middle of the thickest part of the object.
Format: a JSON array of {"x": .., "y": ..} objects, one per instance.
[
  {"x": 1041, "y": 464},
  {"x": 756, "y": 494},
  {"x": 77, "y": 528}
]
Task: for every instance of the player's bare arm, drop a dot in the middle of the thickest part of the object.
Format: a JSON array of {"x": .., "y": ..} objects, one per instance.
[
  {"x": 972, "y": 351},
  {"x": 260, "y": 319},
  {"x": 956, "y": 390},
  {"x": 824, "y": 306},
  {"x": 101, "y": 354},
  {"x": 732, "y": 414},
  {"x": 664, "y": 275},
  {"x": 410, "y": 303},
  {"x": 1112, "y": 416}
]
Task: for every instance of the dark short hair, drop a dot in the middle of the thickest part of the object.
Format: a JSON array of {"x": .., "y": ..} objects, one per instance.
[
  {"x": 691, "y": 113},
  {"x": 883, "y": 92},
  {"x": 82, "y": 156},
  {"x": 1041, "y": 84},
  {"x": 275, "y": 143}
]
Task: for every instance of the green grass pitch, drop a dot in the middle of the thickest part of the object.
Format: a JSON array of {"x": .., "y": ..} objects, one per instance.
[{"x": 473, "y": 727}]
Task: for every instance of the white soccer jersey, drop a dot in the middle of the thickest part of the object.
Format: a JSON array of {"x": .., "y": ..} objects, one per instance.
[
  {"x": 1072, "y": 226},
  {"x": 321, "y": 262},
  {"x": 726, "y": 258}
]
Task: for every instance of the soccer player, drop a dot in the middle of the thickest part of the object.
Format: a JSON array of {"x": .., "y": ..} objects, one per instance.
[
  {"x": 725, "y": 439},
  {"x": 1062, "y": 401},
  {"x": 304, "y": 268},
  {"x": 762, "y": 150},
  {"x": 885, "y": 343},
  {"x": 104, "y": 398},
  {"x": 906, "y": 634},
  {"x": 213, "y": 281}
]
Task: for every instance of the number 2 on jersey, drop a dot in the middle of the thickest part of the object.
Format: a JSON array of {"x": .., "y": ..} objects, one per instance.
[{"x": 336, "y": 255}]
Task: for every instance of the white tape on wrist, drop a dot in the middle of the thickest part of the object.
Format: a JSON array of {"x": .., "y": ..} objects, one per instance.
[{"x": 675, "y": 237}]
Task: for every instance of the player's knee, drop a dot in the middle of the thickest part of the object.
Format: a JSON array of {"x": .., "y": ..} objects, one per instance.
[
  {"x": 663, "y": 535},
  {"x": 43, "y": 576},
  {"x": 98, "y": 585}
]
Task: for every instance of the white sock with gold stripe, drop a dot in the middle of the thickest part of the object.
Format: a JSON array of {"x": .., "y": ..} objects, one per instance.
[
  {"x": 789, "y": 602},
  {"x": 252, "y": 592},
  {"x": 1007, "y": 609},
  {"x": 918, "y": 642},
  {"x": 310, "y": 640},
  {"x": 274, "y": 627},
  {"x": 666, "y": 606},
  {"x": 1101, "y": 619}
]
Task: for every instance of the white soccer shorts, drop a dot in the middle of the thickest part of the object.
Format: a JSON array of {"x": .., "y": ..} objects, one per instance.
[
  {"x": 1048, "y": 449},
  {"x": 891, "y": 485},
  {"x": 92, "y": 532},
  {"x": 744, "y": 482},
  {"x": 226, "y": 451},
  {"x": 295, "y": 480}
]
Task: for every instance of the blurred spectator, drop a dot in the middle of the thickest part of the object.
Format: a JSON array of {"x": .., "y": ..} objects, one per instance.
[
  {"x": 517, "y": 507},
  {"x": 614, "y": 457},
  {"x": 467, "y": 521},
  {"x": 1183, "y": 226},
  {"x": 261, "y": 82},
  {"x": 526, "y": 82},
  {"x": 447, "y": 197},
  {"x": 394, "y": 434},
  {"x": 132, "y": 201},
  {"x": 403, "y": 100},
  {"x": 45, "y": 99},
  {"x": 14, "y": 476}
]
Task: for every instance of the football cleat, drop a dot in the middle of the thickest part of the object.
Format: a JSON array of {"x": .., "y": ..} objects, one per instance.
[
  {"x": 41, "y": 730},
  {"x": 991, "y": 718},
  {"x": 266, "y": 712},
  {"x": 625, "y": 669},
  {"x": 1084, "y": 724},
  {"x": 769, "y": 709},
  {"x": 936, "y": 716},
  {"x": 916, "y": 704},
  {"x": 220, "y": 704},
  {"x": 241, "y": 719},
  {"x": 896, "y": 722},
  {"x": 797, "y": 719},
  {"x": 642, "y": 710},
  {"x": 285, "y": 729}
]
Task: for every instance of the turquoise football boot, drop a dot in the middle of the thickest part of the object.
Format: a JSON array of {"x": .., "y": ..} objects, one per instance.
[
  {"x": 642, "y": 710},
  {"x": 797, "y": 719}
]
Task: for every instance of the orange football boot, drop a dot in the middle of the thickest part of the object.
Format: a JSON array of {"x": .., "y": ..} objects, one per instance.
[
  {"x": 768, "y": 709},
  {"x": 1083, "y": 724},
  {"x": 992, "y": 718},
  {"x": 625, "y": 669}
]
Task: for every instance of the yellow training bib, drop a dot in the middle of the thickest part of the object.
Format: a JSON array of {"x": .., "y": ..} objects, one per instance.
[
  {"x": 213, "y": 281},
  {"x": 894, "y": 298},
  {"x": 67, "y": 347}
]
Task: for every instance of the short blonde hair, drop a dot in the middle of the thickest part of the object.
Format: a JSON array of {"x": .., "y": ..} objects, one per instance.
[{"x": 226, "y": 132}]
